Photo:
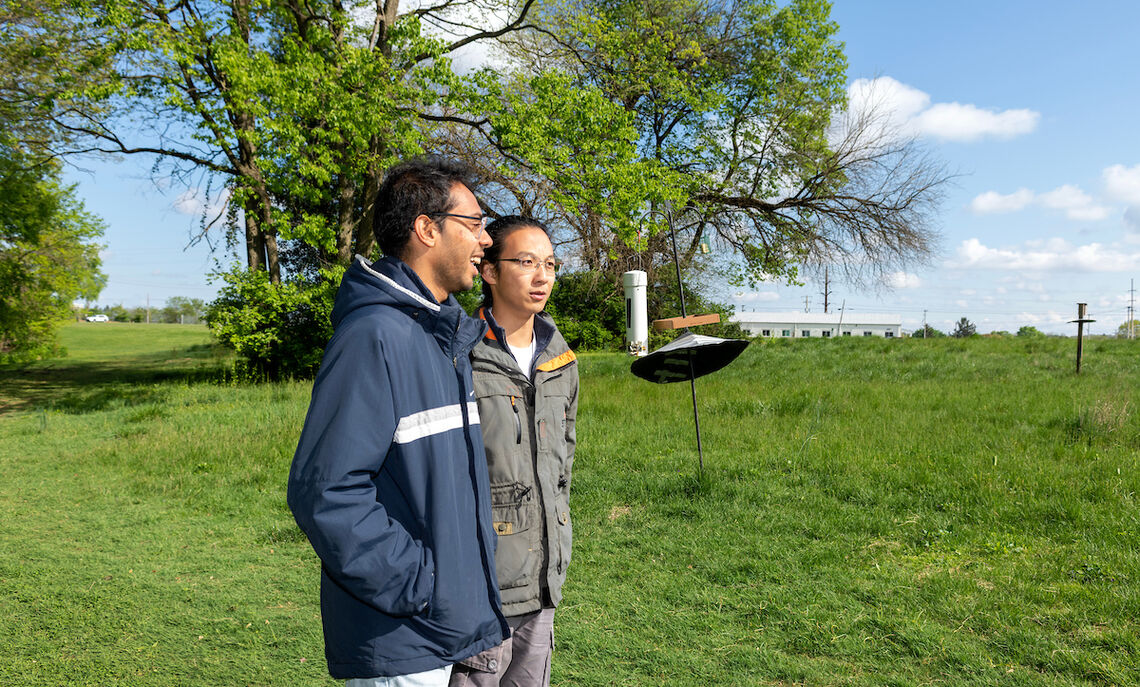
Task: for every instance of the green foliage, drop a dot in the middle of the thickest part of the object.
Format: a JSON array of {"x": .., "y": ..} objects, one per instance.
[
  {"x": 584, "y": 146},
  {"x": 964, "y": 328},
  {"x": 279, "y": 330},
  {"x": 589, "y": 311},
  {"x": 471, "y": 299},
  {"x": 1127, "y": 328},
  {"x": 182, "y": 310},
  {"x": 48, "y": 255},
  {"x": 927, "y": 332}
]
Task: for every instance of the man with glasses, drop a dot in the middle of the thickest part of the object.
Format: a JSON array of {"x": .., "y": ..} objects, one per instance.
[{"x": 389, "y": 480}]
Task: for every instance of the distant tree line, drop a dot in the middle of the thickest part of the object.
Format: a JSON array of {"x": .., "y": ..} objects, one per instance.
[
  {"x": 964, "y": 328},
  {"x": 177, "y": 310}
]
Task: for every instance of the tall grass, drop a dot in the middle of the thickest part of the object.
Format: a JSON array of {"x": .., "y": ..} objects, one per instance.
[{"x": 871, "y": 512}]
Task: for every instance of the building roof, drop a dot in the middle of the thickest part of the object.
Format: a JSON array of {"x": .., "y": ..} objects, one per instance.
[{"x": 848, "y": 318}]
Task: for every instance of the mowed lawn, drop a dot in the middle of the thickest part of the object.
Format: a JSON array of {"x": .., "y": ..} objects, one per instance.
[{"x": 871, "y": 512}]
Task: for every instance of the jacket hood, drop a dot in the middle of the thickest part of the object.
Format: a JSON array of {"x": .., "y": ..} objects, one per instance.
[{"x": 390, "y": 282}]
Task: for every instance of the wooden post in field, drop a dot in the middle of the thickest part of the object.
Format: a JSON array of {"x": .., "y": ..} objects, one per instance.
[{"x": 1081, "y": 319}]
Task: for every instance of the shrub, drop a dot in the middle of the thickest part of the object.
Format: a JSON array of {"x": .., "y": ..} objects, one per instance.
[
  {"x": 926, "y": 332},
  {"x": 964, "y": 329},
  {"x": 589, "y": 311},
  {"x": 278, "y": 330}
]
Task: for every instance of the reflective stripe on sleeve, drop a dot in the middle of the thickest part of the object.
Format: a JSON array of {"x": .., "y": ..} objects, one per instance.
[{"x": 434, "y": 421}]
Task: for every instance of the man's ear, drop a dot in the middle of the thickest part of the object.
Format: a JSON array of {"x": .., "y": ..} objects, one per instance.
[
  {"x": 488, "y": 272},
  {"x": 426, "y": 231}
]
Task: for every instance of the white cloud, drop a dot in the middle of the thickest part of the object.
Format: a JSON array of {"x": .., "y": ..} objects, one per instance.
[
  {"x": 193, "y": 202},
  {"x": 1070, "y": 199},
  {"x": 757, "y": 297},
  {"x": 994, "y": 202},
  {"x": 1123, "y": 183},
  {"x": 911, "y": 110},
  {"x": 887, "y": 96},
  {"x": 957, "y": 122},
  {"x": 903, "y": 280},
  {"x": 1051, "y": 317},
  {"x": 1050, "y": 255},
  {"x": 1076, "y": 203}
]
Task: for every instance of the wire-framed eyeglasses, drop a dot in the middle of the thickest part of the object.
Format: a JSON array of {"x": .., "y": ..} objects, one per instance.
[
  {"x": 528, "y": 265},
  {"x": 477, "y": 229}
]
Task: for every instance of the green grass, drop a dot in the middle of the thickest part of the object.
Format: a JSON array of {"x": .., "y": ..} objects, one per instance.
[{"x": 871, "y": 512}]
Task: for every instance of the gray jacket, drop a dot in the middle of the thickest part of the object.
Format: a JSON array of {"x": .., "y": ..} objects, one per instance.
[{"x": 528, "y": 431}]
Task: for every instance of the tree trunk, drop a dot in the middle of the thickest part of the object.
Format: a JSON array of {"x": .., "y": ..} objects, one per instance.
[
  {"x": 365, "y": 238},
  {"x": 345, "y": 221},
  {"x": 268, "y": 235},
  {"x": 260, "y": 238},
  {"x": 254, "y": 240},
  {"x": 271, "y": 259}
]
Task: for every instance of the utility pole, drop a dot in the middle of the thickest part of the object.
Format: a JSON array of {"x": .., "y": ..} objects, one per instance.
[
  {"x": 1131, "y": 308},
  {"x": 924, "y": 323},
  {"x": 807, "y": 302}
]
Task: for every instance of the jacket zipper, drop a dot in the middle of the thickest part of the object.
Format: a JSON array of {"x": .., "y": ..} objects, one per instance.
[{"x": 518, "y": 422}]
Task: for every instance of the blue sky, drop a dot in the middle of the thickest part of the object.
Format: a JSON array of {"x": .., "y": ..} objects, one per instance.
[{"x": 1032, "y": 104}]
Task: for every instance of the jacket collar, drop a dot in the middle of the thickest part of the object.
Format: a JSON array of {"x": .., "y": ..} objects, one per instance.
[{"x": 543, "y": 331}]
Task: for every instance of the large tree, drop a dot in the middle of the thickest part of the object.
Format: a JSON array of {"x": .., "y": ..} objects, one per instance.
[
  {"x": 293, "y": 108},
  {"x": 741, "y": 106},
  {"x": 48, "y": 254}
]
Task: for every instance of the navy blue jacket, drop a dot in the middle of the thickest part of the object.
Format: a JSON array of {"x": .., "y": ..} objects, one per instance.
[{"x": 389, "y": 482}]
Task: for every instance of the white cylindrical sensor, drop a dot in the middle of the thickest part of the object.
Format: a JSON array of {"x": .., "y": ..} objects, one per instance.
[{"x": 636, "y": 316}]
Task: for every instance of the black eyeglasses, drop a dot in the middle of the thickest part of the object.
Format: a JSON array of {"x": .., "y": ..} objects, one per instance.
[
  {"x": 529, "y": 265},
  {"x": 481, "y": 219}
]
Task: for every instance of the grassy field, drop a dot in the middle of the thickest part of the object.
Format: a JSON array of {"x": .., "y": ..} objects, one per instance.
[{"x": 871, "y": 512}]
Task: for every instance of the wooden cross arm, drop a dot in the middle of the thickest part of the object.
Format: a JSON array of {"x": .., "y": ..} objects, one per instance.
[{"x": 682, "y": 322}]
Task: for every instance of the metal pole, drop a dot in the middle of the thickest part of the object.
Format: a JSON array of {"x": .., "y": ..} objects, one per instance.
[
  {"x": 1081, "y": 319},
  {"x": 689, "y": 357},
  {"x": 1080, "y": 332}
]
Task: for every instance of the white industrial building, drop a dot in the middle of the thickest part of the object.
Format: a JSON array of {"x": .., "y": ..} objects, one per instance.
[{"x": 808, "y": 324}]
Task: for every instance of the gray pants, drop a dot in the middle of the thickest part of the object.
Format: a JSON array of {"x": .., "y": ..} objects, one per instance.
[{"x": 521, "y": 661}]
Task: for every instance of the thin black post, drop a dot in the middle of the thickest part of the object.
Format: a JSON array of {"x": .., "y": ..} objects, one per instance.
[
  {"x": 689, "y": 357},
  {"x": 1081, "y": 319},
  {"x": 1080, "y": 333}
]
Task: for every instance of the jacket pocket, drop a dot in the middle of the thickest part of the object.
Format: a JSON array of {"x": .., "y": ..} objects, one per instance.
[{"x": 514, "y": 513}]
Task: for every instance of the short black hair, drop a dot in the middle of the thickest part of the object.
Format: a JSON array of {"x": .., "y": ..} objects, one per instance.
[
  {"x": 420, "y": 186},
  {"x": 499, "y": 230}
]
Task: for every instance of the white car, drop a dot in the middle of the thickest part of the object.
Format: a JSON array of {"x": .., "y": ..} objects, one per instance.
[{"x": 98, "y": 318}]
